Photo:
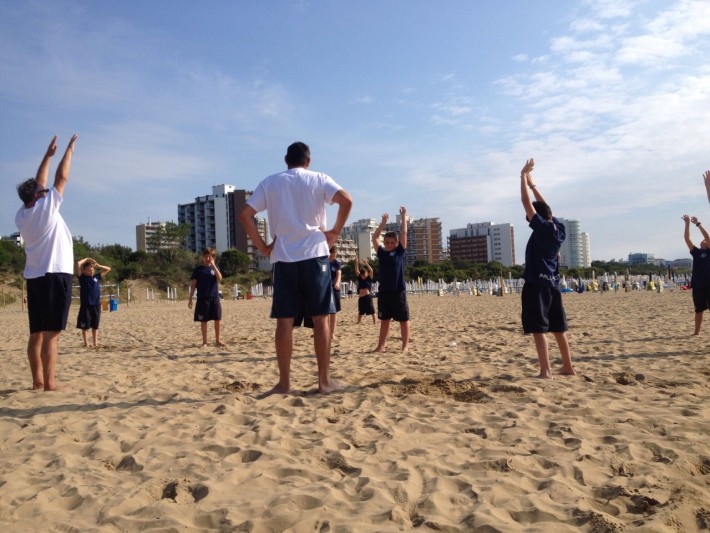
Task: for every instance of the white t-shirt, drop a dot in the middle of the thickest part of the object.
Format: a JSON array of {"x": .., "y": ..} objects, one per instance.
[
  {"x": 295, "y": 200},
  {"x": 48, "y": 242}
]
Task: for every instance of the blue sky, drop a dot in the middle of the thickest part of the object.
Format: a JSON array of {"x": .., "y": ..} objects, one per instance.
[{"x": 433, "y": 105}]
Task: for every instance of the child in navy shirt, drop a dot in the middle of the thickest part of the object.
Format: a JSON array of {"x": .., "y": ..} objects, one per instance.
[
  {"x": 392, "y": 294},
  {"x": 89, "y": 298},
  {"x": 205, "y": 279},
  {"x": 542, "y": 301}
]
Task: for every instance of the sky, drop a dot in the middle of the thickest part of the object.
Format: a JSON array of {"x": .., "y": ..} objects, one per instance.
[{"x": 433, "y": 105}]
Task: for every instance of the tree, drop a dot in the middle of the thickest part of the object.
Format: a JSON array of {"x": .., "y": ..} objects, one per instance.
[
  {"x": 170, "y": 237},
  {"x": 233, "y": 261},
  {"x": 12, "y": 257}
]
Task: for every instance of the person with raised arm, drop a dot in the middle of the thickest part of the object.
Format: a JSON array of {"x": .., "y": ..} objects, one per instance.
[
  {"x": 543, "y": 311},
  {"x": 49, "y": 266},
  {"x": 700, "y": 280},
  {"x": 392, "y": 292}
]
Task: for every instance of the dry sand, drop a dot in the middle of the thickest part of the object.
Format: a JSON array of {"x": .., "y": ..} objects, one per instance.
[{"x": 153, "y": 432}]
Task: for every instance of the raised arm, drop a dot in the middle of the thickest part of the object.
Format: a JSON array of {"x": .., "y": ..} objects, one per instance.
[
  {"x": 104, "y": 269},
  {"x": 368, "y": 267},
  {"x": 686, "y": 233},
  {"x": 62, "y": 174},
  {"x": 524, "y": 184},
  {"x": 217, "y": 273},
  {"x": 43, "y": 170},
  {"x": 706, "y": 178},
  {"x": 378, "y": 231},
  {"x": 357, "y": 267},
  {"x": 345, "y": 203},
  {"x": 80, "y": 264},
  {"x": 403, "y": 225},
  {"x": 699, "y": 224}
]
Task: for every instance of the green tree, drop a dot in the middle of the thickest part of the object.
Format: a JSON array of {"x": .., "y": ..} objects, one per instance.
[
  {"x": 233, "y": 261},
  {"x": 169, "y": 238},
  {"x": 12, "y": 257}
]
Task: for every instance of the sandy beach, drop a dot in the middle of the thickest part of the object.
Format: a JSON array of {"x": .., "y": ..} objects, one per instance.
[{"x": 154, "y": 433}]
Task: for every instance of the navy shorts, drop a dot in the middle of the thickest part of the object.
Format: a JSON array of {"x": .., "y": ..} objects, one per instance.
[
  {"x": 207, "y": 309},
  {"x": 365, "y": 305},
  {"x": 542, "y": 309},
  {"x": 701, "y": 299},
  {"x": 302, "y": 288},
  {"x": 89, "y": 317},
  {"x": 393, "y": 306},
  {"x": 48, "y": 302}
]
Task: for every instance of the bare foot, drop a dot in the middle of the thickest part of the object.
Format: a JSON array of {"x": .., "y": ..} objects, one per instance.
[
  {"x": 380, "y": 349},
  {"x": 205, "y": 345},
  {"x": 278, "y": 389},
  {"x": 568, "y": 372},
  {"x": 544, "y": 376},
  {"x": 219, "y": 343},
  {"x": 331, "y": 387},
  {"x": 38, "y": 386}
]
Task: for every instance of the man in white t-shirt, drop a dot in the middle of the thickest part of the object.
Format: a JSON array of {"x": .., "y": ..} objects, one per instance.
[
  {"x": 295, "y": 200},
  {"x": 49, "y": 265}
]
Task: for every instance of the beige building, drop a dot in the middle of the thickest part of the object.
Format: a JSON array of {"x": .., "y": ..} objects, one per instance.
[
  {"x": 423, "y": 239},
  {"x": 144, "y": 232}
]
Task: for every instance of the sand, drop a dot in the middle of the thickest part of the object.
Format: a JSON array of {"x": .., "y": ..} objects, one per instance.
[{"x": 155, "y": 433}]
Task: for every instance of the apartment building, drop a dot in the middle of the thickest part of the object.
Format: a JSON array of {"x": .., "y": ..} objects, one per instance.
[{"x": 483, "y": 242}]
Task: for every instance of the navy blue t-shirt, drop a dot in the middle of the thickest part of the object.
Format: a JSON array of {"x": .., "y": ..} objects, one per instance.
[
  {"x": 90, "y": 289},
  {"x": 701, "y": 268},
  {"x": 542, "y": 264},
  {"x": 206, "y": 282},
  {"x": 335, "y": 266},
  {"x": 391, "y": 272}
]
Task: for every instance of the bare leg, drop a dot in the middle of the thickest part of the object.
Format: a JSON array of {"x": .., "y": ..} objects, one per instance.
[
  {"x": 84, "y": 336},
  {"x": 541, "y": 347},
  {"x": 203, "y": 329},
  {"x": 34, "y": 351},
  {"x": 698, "y": 322},
  {"x": 567, "y": 368},
  {"x": 321, "y": 342},
  {"x": 217, "y": 340},
  {"x": 284, "y": 350},
  {"x": 95, "y": 336},
  {"x": 359, "y": 318},
  {"x": 50, "y": 350},
  {"x": 333, "y": 324},
  {"x": 384, "y": 331},
  {"x": 374, "y": 319},
  {"x": 404, "y": 328}
]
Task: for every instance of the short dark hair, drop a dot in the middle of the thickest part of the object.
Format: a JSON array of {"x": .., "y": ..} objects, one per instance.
[
  {"x": 542, "y": 209},
  {"x": 391, "y": 235},
  {"x": 333, "y": 249},
  {"x": 26, "y": 190},
  {"x": 297, "y": 154}
]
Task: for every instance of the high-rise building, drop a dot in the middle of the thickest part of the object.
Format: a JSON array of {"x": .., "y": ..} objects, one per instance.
[
  {"x": 214, "y": 221},
  {"x": 210, "y": 218},
  {"x": 575, "y": 251},
  {"x": 423, "y": 239},
  {"x": 360, "y": 232},
  {"x": 483, "y": 242}
]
